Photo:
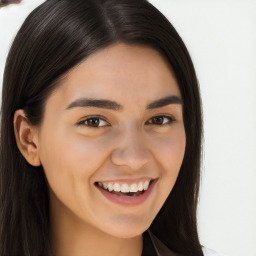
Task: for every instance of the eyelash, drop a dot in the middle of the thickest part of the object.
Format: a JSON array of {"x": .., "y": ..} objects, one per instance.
[{"x": 82, "y": 123}]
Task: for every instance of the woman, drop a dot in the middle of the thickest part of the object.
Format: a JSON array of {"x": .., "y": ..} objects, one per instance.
[{"x": 100, "y": 134}]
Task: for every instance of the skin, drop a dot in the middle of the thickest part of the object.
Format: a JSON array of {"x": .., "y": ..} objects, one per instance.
[{"x": 127, "y": 145}]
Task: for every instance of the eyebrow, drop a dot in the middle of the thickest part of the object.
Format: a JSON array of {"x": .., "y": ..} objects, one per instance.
[
  {"x": 164, "y": 102},
  {"x": 109, "y": 104}
]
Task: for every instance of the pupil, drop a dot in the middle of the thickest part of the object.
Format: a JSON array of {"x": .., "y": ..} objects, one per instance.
[
  {"x": 93, "y": 122},
  {"x": 158, "y": 120}
]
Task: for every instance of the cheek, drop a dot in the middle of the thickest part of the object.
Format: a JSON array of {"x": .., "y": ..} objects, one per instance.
[
  {"x": 88, "y": 154},
  {"x": 70, "y": 165},
  {"x": 170, "y": 153},
  {"x": 72, "y": 155},
  {"x": 176, "y": 150}
]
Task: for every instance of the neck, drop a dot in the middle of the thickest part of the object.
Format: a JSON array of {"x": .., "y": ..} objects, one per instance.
[{"x": 71, "y": 236}]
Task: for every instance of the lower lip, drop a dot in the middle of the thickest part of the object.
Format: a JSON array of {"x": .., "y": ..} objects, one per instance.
[{"x": 126, "y": 200}]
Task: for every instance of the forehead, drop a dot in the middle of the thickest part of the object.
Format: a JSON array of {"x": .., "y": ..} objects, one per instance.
[{"x": 120, "y": 72}]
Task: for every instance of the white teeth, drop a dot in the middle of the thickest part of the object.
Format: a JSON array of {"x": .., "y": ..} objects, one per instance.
[
  {"x": 125, "y": 188},
  {"x": 146, "y": 184},
  {"x": 110, "y": 187},
  {"x": 140, "y": 187},
  {"x": 117, "y": 187},
  {"x": 133, "y": 188}
]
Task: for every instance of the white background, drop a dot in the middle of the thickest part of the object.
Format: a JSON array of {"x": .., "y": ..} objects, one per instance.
[{"x": 221, "y": 37}]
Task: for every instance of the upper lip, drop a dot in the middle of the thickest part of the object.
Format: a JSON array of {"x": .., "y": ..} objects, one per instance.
[{"x": 127, "y": 181}]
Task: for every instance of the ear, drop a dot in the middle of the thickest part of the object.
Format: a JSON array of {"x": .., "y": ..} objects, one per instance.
[{"x": 26, "y": 137}]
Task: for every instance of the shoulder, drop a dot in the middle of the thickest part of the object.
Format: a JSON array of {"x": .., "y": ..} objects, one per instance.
[{"x": 209, "y": 252}]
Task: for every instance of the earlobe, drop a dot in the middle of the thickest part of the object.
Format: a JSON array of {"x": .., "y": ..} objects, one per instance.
[{"x": 26, "y": 138}]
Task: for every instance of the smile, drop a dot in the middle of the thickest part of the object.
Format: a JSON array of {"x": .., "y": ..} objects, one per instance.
[
  {"x": 130, "y": 190},
  {"x": 125, "y": 194}
]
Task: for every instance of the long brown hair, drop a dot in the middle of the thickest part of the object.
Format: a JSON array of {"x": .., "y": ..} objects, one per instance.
[{"x": 54, "y": 38}]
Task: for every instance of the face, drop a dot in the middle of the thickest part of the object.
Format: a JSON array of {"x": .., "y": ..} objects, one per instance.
[{"x": 115, "y": 121}]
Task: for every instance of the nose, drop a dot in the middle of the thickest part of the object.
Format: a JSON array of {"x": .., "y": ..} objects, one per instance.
[{"x": 131, "y": 150}]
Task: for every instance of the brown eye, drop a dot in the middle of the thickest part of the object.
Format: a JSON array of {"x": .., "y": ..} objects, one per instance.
[
  {"x": 93, "y": 122},
  {"x": 160, "y": 120}
]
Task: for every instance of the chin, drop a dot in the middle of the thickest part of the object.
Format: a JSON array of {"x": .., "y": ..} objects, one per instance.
[
  {"x": 127, "y": 230},
  {"x": 125, "y": 235}
]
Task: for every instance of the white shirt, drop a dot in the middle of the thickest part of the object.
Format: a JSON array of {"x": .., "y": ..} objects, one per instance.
[{"x": 209, "y": 252}]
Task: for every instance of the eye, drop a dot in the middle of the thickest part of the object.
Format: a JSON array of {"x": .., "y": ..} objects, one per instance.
[
  {"x": 160, "y": 120},
  {"x": 93, "y": 122}
]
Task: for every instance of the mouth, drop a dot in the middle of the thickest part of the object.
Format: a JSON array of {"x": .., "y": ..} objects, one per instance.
[
  {"x": 124, "y": 189},
  {"x": 124, "y": 194}
]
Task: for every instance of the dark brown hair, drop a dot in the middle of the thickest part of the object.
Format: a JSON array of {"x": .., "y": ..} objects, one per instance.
[{"x": 55, "y": 37}]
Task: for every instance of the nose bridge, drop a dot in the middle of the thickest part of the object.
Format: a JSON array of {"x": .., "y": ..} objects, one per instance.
[{"x": 131, "y": 149}]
